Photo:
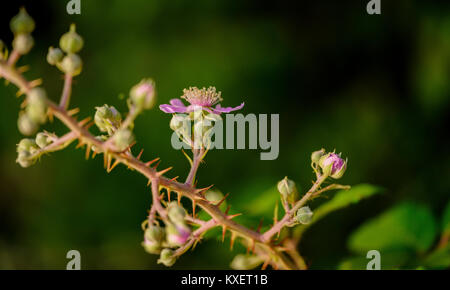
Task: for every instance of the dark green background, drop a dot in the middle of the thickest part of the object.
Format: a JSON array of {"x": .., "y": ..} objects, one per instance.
[{"x": 374, "y": 87}]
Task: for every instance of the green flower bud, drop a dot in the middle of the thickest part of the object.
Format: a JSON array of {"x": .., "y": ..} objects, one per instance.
[
  {"x": 37, "y": 106},
  {"x": 71, "y": 42},
  {"x": 107, "y": 119},
  {"x": 176, "y": 212},
  {"x": 22, "y": 23},
  {"x": 333, "y": 165},
  {"x": 315, "y": 156},
  {"x": 151, "y": 247},
  {"x": 27, "y": 126},
  {"x": 123, "y": 138},
  {"x": 23, "y": 43},
  {"x": 71, "y": 64},
  {"x": 288, "y": 190},
  {"x": 213, "y": 196},
  {"x": 43, "y": 140},
  {"x": 142, "y": 95},
  {"x": 304, "y": 215},
  {"x": 25, "y": 159},
  {"x": 167, "y": 258},
  {"x": 155, "y": 234},
  {"x": 177, "y": 234},
  {"x": 26, "y": 145},
  {"x": 54, "y": 55},
  {"x": 246, "y": 262}
]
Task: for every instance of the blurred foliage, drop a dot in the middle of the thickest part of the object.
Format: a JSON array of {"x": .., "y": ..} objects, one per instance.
[{"x": 374, "y": 87}]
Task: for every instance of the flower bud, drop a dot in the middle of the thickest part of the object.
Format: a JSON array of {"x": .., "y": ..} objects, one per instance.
[
  {"x": 71, "y": 42},
  {"x": 43, "y": 140},
  {"x": 167, "y": 258},
  {"x": 213, "y": 196},
  {"x": 177, "y": 234},
  {"x": 287, "y": 189},
  {"x": 123, "y": 138},
  {"x": 246, "y": 262},
  {"x": 23, "y": 43},
  {"x": 71, "y": 64},
  {"x": 37, "y": 106},
  {"x": 315, "y": 156},
  {"x": 333, "y": 165},
  {"x": 176, "y": 212},
  {"x": 153, "y": 238},
  {"x": 107, "y": 119},
  {"x": 142, "y": 95},
  {"x": 22, "y": 23},
  {"x": 54, "y": 55},
  {"x": 25, "y": 159},
  {"x": 304, "y": 215},
  {"x": 27, "y": 126},
  {"x": 26, "y": 145}
]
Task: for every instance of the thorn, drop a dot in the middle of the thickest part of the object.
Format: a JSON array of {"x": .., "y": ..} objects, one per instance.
[
  {"x": 168, "y": 195},
  {"x": 151, "y": 162},
  {"x": 105, "y": 159},
  {"x": 140, "y": 154},
  {"x": 258, "y": 229},
  {"x": 50, "y": 115},
  {"x": 19, "y": 93},
  {"x": 73, "y": 112},
  {"x": 114, "y": 165},
  {"x": 230, "y": 217},
  {"x": 266, "y": 263},
  {"x": 89, "y": 125},
  {"x": 84, "y": 121},
  {"x": 194, "y": 205},
  {"x": 222, "y": 200},
  {"x": 80, "y": 144},
  {"x": 23, "y": 69},
  {"x": 179, "y": 198},
  {"x": 228, "y": 209},
  {"x": 162, "y": 172},
  {"x": 232, "y": 239},
  {"x": 94, "y": 154},
  {"x": 108, "y": 168},
  {"x": 129, "y": 148},
  {"x": 88, "y": 151},
  {"x": 202, "y": 190},
  {"x": 224, "y": 231},
  {"x": 149, "y": 182},
  {"x": 35, "y": 83},
  {"x": 157, "y": 164},
  {"x": 175, "y": 178},
  {"x": 275, "y": 214}
]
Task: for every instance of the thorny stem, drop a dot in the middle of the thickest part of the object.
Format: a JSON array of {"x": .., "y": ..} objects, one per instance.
[
  {"x": 261, "y": 242},
  {"x": 197, "y": 159}
]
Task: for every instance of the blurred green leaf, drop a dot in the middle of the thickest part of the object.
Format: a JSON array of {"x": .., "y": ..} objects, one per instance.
[
  {"x": 408, "y": 225},
  {"x": 439, "y": 259},
  {"x": 342, "y": 199}
]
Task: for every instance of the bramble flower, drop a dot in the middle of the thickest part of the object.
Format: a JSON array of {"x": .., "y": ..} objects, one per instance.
[
  {"x": 199, "y": 99},
  {"x": 333, "y": 165}
]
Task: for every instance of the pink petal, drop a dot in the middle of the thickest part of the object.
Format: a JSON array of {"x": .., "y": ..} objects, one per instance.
[{"x": 219, "y": 109}]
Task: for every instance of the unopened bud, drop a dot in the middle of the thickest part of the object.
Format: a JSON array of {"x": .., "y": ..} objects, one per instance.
[
  {"x": 153, "y": 239},
  {"x": 315, "y": 156},
  {"x": 167, "y": 258},
  {"x": 22, "y": 23},
  {"x": 25, "y": 159},
  {"x": 178, "y": 122},
  {"x": 177, "y": 234},
  {"x": 142, "y": 95},
  {"x": 43, "y": 140},
  {"x": 107, "y": 119},
  {"x": 37, "y": 106},
  {"x": 304, "y": 215},
  {"x": 26, "y": 125},
  {"x": 333, "y": 165},
  {"x": 54, "y": 55},
  {"x": 176, "y": 213},
  {"x": 246, "y": 262},
  {"x": 71, "y": 64},
  {"x": 123, "y": 139},
  {"x": 26, "y": 145},
  {"x": 23, "y": 43},
  {"x": 287, "y": 189},
  {"x": 71, "y": 42}
]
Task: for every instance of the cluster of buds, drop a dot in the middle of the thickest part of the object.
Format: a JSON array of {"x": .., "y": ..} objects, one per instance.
[
  {"x": 22, "y": 25},
  {"x": 328, "y": 164},
  {"x": 28, "y": 149},
  {"x": 35, "y": 112},
  {"x": 198, "y": 122},
  {"x": 163, "y": 241},
  {"x": 70, "y": 43}
]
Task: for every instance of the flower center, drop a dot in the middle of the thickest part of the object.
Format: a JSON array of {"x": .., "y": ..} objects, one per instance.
[{"x": 202, "y": 97}]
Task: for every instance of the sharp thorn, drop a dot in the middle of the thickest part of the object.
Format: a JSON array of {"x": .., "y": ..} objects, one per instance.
[
  {"x": 222, "y": 200},
  {"x": 114, "y": 165},
  {"x": 140, "y": 154},
  {"x": 232, "y": 239},
  {"x": 224, "y": 231},
  {"x": 151, "y": 162},
  {"x": 230, "y": 217},
  {"x": 73, "y": 112},
  {"x": 84, "y": 121},
  {"x": 88, "y": 151},
  {"x": 194, "y": 205},
  {"x": 162, "y": 172}
]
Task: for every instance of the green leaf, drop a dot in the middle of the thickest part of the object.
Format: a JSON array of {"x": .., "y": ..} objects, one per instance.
[
  {"x": 341, "y": 199},
  {"x": 446, "y": 220},
  {"x": 408, "y": 225},
  {"x": 439, "y": 259}
]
